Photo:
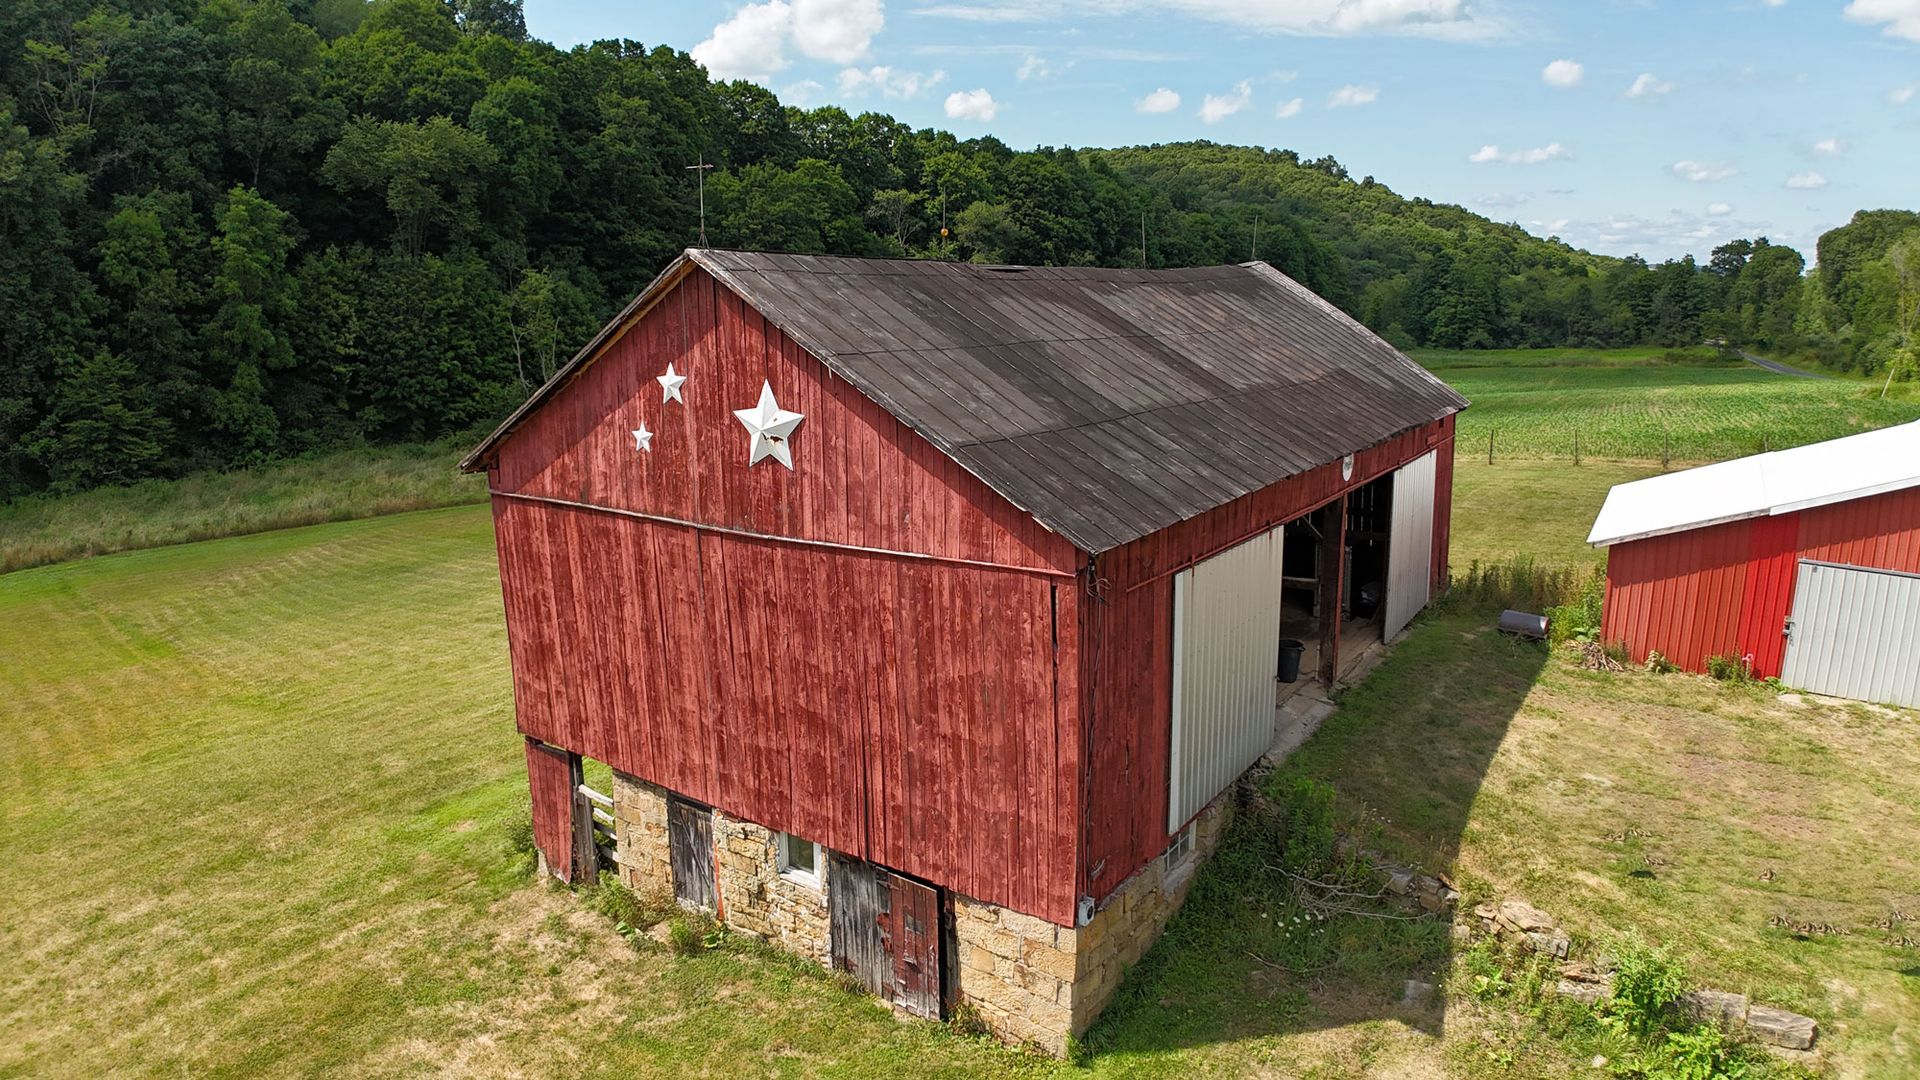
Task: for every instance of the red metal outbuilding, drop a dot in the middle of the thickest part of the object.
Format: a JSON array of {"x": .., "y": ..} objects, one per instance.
[
  {"x": 916, "y": 603},
  {"x": 1703, "y": 563}
]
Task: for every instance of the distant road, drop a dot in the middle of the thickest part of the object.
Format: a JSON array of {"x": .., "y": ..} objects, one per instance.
[{"x": 1777, "y": 367}]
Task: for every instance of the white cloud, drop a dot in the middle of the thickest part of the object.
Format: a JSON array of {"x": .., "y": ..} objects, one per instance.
[
  {"x": 1719, "y": 209},
  {"x": 1831, "y": 146},
  {"x": 805, "y": 94},
  {"x": 1218, "y": 107},
  {"x": 898, "y": 85},
  {"x": 1457, "y": 20},
  {"x": 1351, "y": 95},
  {"x": 1287, "y": 110},
  {"x": 1564, "y": 74},
  {"x": 753, "y": 43},
  {"x": 1533, "y": 156},
  {"x": 1699, "y": 172},
  {"x": 1649, "y": 85},
  {"x": 1902, "y": 17},
  {"x": 838, "y": 31},
  {"x": 1806, "y": 181},
  {"x": 972, "y": 105},
  {"x": 1900, "y": 95},
  {"x": 1034, "y": 66},
  {"x": 1162, "y": 100}
]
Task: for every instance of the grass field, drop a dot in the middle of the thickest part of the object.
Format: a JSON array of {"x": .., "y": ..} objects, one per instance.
[
  {"x": 1625, "y": 403},
  {"x": 332, "y": 487},
  {"x": 264, "y": 807},
  {"x": 261, "y": 797}
]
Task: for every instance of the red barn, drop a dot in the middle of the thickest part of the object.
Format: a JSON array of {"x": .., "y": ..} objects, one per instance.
[
  {"x": 1800, "y": 563},
  {"x": 925, "y": 610}
]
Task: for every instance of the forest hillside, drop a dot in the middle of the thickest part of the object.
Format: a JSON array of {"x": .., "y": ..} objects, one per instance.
[{"x": 237, "y": 230}]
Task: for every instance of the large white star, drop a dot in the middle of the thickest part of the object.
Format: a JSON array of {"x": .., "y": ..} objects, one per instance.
[
  {"x": 771, "y": 426},
  {"x": 670, "y": 386},
  {"x": 642, "y": 439}
]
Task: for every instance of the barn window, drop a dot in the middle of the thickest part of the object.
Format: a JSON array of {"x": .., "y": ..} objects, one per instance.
[
  {"x": 1181, "y": 847},
  {"x": 800, "y": 860}
]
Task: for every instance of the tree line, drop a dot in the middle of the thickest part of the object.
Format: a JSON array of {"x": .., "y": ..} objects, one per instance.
[{"x": 235, "y": 230}]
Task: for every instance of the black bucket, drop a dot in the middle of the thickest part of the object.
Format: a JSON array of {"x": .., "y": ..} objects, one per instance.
[{"x": 1290, "y": 652}]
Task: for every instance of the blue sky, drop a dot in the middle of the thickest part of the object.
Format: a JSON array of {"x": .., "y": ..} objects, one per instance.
[{"x": 1620, "y": 126}]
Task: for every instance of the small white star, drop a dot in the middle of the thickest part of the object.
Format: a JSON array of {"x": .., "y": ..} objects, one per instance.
[
  {"x": 642, "y": 439},
  {"x": 771, "y": 426},
  {"x": 670, "y": 386}
]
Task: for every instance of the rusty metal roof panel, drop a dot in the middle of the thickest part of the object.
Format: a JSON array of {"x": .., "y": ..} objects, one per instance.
[{"x": 1107, "y": 403}]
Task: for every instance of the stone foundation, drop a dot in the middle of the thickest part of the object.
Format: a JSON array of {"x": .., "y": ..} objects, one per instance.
[
  {"x": 1028, "y": 980},
  {"x": 1033, "y": 982},
  {"x": 753, "y": 896},
  {"x": 757, "y": 899},
  {"x": 640, "y": 835}
]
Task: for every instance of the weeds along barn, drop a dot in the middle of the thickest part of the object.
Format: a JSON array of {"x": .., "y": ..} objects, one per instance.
[
  {"x": 1802, "y": 564},
  {"x": 925, "y": 611}
]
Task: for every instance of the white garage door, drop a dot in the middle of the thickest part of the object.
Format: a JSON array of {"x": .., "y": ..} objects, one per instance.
[
  {"x": 1410, "y": 544},
  {"x": 1226, "y": 637},
  {"x": 1855, "y": 633}
]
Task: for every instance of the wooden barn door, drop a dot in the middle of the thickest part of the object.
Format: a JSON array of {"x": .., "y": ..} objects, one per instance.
[
  {"x": 552, "y": 776},
  {"x": 885, "y": 932},
  {"x": 690, "y": 850}
]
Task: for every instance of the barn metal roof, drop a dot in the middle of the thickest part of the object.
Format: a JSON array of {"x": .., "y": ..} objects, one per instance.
[
  {"x": 1109, "y": 404},
  {"x": 1777, "y": 483}
]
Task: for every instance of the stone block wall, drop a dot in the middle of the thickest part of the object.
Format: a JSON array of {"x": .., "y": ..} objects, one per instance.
[
  {"x": 757, "y": 899},
  {"x": 1029, "y": 980},
  {"x": 640, "y": 835},
  {"x": 1033, "y": 982}
]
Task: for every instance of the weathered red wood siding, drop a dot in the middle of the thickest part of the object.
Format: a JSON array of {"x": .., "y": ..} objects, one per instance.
[
  {"x": 1726, "y": 590},
  {"x": 1128, "y": 649},
  {"x": 860, "y": 476},
  {"x": 921, "y": 713}
]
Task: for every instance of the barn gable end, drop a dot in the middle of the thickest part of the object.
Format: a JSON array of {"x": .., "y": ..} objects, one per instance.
[{"x": 860, "y": 651}]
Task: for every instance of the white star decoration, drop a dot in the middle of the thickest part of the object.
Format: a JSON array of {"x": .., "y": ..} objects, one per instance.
[
  {"x": 670, "y": 386},
  {"x": 642, "y": 439},
  {"x": 771, "y": 426}
]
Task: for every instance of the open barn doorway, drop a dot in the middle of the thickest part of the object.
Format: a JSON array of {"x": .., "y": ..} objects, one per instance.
[{"x": 1334, "y": 573}]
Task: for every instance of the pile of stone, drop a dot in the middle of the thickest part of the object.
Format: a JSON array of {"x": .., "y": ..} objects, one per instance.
[
  {"x": 1519, "y": 921},
  {"x": 1434, "y": 895},
  {"x": 1591, "y": 983}
]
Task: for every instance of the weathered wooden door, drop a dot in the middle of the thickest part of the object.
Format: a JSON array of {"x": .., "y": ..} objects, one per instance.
[
  {"x": 552, "y": 776},
  {"x": 885, "y": 932},
  {"x": 913, "y": 939},
  {"x": 690, "y": 850}
]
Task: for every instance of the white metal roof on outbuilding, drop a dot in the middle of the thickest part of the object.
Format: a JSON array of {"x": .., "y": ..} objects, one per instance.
[{"x": 1777, "y": 483}]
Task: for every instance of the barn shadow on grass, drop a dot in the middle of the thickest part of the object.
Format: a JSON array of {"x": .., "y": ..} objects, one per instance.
[{"x": 1405, "y": 754}]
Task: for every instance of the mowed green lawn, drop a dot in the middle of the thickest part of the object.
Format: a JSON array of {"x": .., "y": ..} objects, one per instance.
[
  {"x": 1636, "y": 403},
  {"x": 258, "y": 796}
]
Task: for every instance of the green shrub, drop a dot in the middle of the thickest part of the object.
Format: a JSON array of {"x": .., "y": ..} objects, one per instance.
[
  {"x": 1730, "y": 668},
  {"x": 1703, "y": 1053},
  {"x": 1306, "y": 827},
  {"x": 1579, "y": 618},
  {"x": 1519, "y": 583},
  {"x": 1647, "y": 980},
  {"x": 685, "y": 936}
]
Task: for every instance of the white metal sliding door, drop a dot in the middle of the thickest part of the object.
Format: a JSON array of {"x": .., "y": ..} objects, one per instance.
[
  {"x": 1410, "y": 543},
  {"x": 1226, "y": 637},
  {"x": 1855, "y": 633}
]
